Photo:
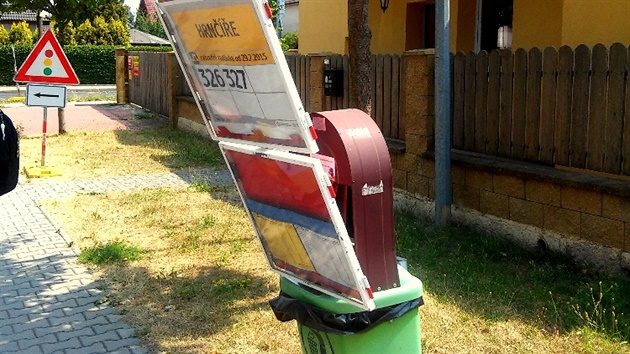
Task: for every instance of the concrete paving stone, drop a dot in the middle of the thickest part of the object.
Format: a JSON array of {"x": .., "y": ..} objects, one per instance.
[
  {"x": 92, "y": 349},
  {"x": 52, "y": 316},
  {"x": 13, "y": 321},
  {"x": 38, "y": 323},
  {"x": 79, "y": 324},
  {"x": 40, "y": 332},
  {"x": 58, "y": 317},
  {"x": 26, "y": 344},
  {"x": 99, "y": 338},
  {"x": 72, "y": 343},
  {"x": 32, "y": 290},
  {"x": 8, "y": 347},
  {"x": 70, "y": 303},
  {"x": 100, "y": 329},
  {"x": 122, "y": 343},
  {"x": 63, "y": 336},
  {"x": 99, "y": 311},
  {"x": 25, "y": 334},
  {"x": 126, "y": 332},
  {"x": 36, "y": 349},
  {"x": 11, "y": 306},
  {"x": 24, "y": 312}
]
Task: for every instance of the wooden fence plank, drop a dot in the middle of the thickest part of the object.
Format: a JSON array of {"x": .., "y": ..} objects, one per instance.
[
  {"x": 492, "y": 118},
  {"x": 519, "y": 103},
  {"x": 299, "y": 83},
  {"x": 564, "y": 95},
  {"x": 459, "y": 72},
  {"x": 505, "y": 108},
  {"x": 613, "y": 130},
  {"x": 377, "y": 105},
  {"x": 579, "y": 113},
  {"x": 387, "y": 95},
  {"x": 469, "y": 99},
  {"x": 481, "y": 96},
  {"x": 548, "y": 104},
  {"x": 346, "y": 82},
  {"x": 532, "y": 120},
  {"x": 374, "y": 87},
  {"x": 395, "y": 99},
  {"x": 306, "y": 79},
  {"x": 597, "y": 108},
  {"x": 625, "y": 168}
]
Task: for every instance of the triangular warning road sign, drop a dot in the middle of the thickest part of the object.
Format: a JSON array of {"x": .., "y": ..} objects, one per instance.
[{"x": 47, "y": 63}]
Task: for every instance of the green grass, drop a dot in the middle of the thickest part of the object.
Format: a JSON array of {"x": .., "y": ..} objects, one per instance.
[
  {"x": 113, "y": 252},
  {"x": 498, "y": 280}
]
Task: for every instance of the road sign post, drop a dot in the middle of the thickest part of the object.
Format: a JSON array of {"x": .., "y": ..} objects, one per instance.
[{"x": 46, "y": 64}]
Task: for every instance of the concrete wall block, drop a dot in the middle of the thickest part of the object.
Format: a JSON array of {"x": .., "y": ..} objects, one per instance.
[
  {"x": 406, "y": 162},
  {"x": 466, "y": 196},
  {"x": 417, "y": 144},
  {"x": 418, "y": 185},
  {"x": 494, "y": 204},
  {"x": 543, "y": 192},
  {"x": 509, "y": 185},
  {"x": 399, "y": 179},
  {"x": 602, "y": 230},
  {"x": 427, "y": 168},
  {"x": 616, "y": 207},
  {"x": 581, "y": 200},
  {"x": 526, "y": 212},
  {"x": 561, "y": 220},
  {"x": 479, "y": 179},
  {"x": 458, "y": 175}
]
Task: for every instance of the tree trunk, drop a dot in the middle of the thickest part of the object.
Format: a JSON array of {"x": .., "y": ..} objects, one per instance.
[
  {"x": 61, "y": 114},
  {"x": 359, "y": 55}
]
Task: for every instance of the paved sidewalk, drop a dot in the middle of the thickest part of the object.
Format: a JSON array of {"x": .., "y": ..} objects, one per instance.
[{"x": 49, "y": 303}]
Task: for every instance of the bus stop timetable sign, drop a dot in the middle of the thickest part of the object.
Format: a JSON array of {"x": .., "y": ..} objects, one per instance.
[{"x": 237, "y": 70}]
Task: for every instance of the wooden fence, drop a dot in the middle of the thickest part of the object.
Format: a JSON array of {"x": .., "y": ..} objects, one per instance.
[
  {"x": 566, "y": 107},
  {"x": 385, "y": 88},
  {"x": 148, "y": 88}
]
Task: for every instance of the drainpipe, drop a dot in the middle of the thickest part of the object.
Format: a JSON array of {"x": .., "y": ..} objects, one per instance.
[{"x": 443, "y": 192}]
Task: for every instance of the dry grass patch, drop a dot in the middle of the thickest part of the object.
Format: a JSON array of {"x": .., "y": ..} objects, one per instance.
[
  {"x": 202, "y": 284},
  {"x": 121, "y": 152}
]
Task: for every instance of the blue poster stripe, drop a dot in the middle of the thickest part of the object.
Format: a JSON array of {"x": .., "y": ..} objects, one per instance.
[{"x": 324, "y": 228}]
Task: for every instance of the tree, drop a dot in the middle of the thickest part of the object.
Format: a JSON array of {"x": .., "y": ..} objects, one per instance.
[
  {"x": 64, "y": 12},
  {"x": 149, "y": 24},
  {"x": 359, "y": 55},
  {"x": 4, "y": 36},
  {"x": 20, "y": 33}
]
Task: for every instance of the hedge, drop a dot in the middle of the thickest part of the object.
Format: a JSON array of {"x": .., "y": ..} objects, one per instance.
[{"x": 92, "y": 64}]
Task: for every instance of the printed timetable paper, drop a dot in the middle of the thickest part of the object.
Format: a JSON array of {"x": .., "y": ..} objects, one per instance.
[{"x": 236, "y": 68}]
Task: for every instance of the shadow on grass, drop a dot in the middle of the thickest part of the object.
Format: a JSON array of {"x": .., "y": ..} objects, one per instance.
[
  {"x": 171, "y": 306},
  {"x": 180, "y": 150},
  {"x": 498, "y": 280}
]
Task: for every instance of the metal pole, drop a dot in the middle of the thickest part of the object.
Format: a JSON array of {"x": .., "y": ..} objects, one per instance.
[
  {"x": 44, "y": 137},
  {"x": 443, "y": 193}
]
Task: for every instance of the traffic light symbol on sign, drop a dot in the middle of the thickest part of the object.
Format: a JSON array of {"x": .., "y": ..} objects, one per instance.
[{"x": 47, "y": 63}]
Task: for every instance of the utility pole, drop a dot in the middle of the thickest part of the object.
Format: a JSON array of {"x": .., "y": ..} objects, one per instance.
[{"x": 443, "y": 192}]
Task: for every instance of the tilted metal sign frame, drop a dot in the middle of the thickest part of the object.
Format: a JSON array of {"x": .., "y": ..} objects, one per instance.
[
  {"x": 299, "y": 227},
  {"x": 233, "y": 63}
]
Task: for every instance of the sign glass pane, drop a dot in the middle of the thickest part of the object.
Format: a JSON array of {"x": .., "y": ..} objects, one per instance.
[
  {"x": 235, "y": 66},
  {"x": 297, "y": 221}
]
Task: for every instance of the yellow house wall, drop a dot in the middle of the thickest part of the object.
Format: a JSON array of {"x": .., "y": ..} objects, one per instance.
[
  {"x": 590, "y": 22},
  {"x": 324, "y": 28},
  {"x": 537, "y": 23}
]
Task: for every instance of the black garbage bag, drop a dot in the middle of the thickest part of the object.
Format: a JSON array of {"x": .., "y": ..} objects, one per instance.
[
  {"x": 9, "y": 154},
  {"x": 287, "y": 308}
]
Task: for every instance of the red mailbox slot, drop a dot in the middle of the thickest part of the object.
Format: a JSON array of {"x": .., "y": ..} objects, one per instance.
[{"x": 364, "y": 189}]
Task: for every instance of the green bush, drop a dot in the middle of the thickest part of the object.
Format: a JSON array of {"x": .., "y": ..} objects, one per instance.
[
  {"x": 289, "y": 41},
  {"x": 20, "y": 33},
  {"x": 93, "y": 64}
]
